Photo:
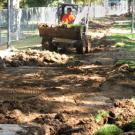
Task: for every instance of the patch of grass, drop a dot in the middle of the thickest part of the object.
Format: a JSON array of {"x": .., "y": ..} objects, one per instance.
[
  {"x": 109, "y": 129},
  {"x": 29, "y": 42},
  {"x": 126, "y": 26},
  {"x": 123, "y": 40},
  {"x": 101, "y": 115},
  {"x": 120, "y": 44},
  {"x": 131, "y": 63},
  {"x": 120, "y": 37}
]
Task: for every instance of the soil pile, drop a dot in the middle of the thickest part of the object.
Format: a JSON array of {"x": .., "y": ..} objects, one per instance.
[
  {"x": 35, "y": 58},
  {"x": 123, "y": 111},
  {"x": 15, "y": 112}
]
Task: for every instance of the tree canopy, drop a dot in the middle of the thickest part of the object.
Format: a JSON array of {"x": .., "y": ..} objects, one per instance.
[
  {"x": 30, "y": 3},
  {"x": 37, "y": 3},
  {"x": 3, "y": 3},
  {"x": 41, "y": 3}
]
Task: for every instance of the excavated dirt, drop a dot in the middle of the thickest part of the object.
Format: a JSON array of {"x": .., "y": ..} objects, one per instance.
[
  {"x": 63, "y": 100},
  {"x": 34, "y": 58}
]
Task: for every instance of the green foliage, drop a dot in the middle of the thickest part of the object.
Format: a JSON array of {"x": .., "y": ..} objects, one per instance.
[
  {"x": 71, "y": 26},
  {"x": 75, "y": 25},
  {"x": 101, "y": 115},
  {"x": 89, "y": 1},
  {"x": 40, "y": 3},
  {"x": 31, "y": 3},
  {"x": 109, "y": 129},
  {"x": 3, "y": 4},
  {"x": 130, "y": 126},
  {"x": 23, "y": 3}
]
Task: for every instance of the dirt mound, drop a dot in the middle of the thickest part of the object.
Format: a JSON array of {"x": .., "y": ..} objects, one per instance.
[
  {"x": 62, "y": 123},
  {"x": 35, "y": 58},
  {"x": 120, "y": 115},
  {"x": 123, "y": 111},
  {"x": 14, "y": 112}
]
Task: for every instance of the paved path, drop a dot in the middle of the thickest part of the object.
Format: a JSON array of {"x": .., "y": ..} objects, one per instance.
[{"x": 10, "y": 129}]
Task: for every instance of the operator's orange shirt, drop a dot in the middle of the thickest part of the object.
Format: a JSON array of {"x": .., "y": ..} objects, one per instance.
[{"x": 68, "y": 18}]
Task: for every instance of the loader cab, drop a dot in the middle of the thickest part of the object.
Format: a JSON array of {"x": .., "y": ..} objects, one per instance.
[{"x": 62, "y": 8}]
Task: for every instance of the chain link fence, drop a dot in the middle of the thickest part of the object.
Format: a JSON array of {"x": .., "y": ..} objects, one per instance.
[{"x": 24, "y": 22}]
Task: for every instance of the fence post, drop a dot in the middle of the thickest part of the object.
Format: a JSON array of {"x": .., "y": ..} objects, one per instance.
[
  {"x": 9, "y": 24},
  {"x": 133, "y": 16},
  {"x": 0, "y": 35},
  {"x": 94, "y": 10},
  {"x": 18, "y": 23}
]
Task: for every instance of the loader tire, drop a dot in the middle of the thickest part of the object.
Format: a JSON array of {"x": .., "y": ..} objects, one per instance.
[
  {"x": 45, "y": 44},
  {"x": 80, "y": 49},
  {"x": 88, "y": 44},
  {"x": 48, "y": 45}
]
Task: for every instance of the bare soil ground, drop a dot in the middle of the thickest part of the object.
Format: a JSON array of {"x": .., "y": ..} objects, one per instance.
[{"x": 63, "y": 99}]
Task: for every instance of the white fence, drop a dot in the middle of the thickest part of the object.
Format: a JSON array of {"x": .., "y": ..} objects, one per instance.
[{"x": 24, "y": 21}]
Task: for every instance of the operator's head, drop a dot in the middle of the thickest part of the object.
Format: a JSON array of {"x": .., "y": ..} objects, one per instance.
[{"x": 69, "y": 10}]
